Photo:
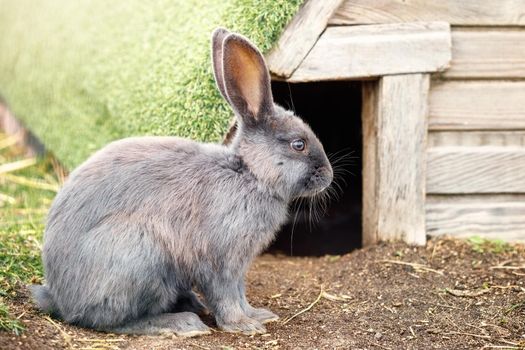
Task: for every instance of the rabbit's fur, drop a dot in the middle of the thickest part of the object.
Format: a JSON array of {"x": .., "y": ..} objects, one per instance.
[{"x": 147, "y": 219}]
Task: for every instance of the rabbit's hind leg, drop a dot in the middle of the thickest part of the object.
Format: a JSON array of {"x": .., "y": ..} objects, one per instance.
[{"x": 183, "y": 324}]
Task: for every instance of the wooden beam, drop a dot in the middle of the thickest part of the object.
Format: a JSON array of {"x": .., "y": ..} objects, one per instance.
[
  {"x": 476, "y": 138},
  {"x": 300, "y": 36},
  {"x": 487, "y": 53},
  {"x": 486, "y": 169},
  {"x": 456, "y": 12},
  {"x": 491, "y": 217},
  {"x": 363, "y": 52},
  {"x": 394, "y": 158},
  {"x": 11, "y": 126},
  {"x": 477, "y": 105}
]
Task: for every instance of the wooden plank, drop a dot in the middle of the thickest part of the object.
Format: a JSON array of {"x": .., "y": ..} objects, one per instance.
[
  {"x": 300, "y": 36},
  {"x": 491, "y": 217},
  {"x": 370, "y": 115},
  {"x": 487, "y": 53},
  {"x": 457, "y": 170},
  {"x": 477, "y": 105},
  {"x": 361, "y": 52},
  {"x": 476, "y": 138},
  {"x": 394, "y": 128},
  {"x": 11, "y": 126},
  {"x": 456, "y": 12}
]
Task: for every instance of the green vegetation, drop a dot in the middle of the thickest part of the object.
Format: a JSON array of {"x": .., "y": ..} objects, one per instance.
[
  {"x": 25, "y": 196},
  {"x": 82, "y": 73},
  {"x": 484, "y": 245},
  {"x": 7, "y": 322},
  {"x": 515, "y": 307}
]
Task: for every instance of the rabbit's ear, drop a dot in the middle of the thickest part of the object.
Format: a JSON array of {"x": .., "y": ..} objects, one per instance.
[
  {"x": 217, "y": 39},
  {"x": 232, "y": 131},
  {"x": 246, "y": 79}
]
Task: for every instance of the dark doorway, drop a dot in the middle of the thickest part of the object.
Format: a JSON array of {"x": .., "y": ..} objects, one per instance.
[{"x": 333, "y": 110}]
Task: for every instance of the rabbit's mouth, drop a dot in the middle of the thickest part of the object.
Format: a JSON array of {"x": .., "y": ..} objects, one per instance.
[
  {"x": 317, "y": 182},
  {"x": 313, "y": 192}
]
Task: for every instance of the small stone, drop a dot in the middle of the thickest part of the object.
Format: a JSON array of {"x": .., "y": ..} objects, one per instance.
[{"x": 378, "y": 336}]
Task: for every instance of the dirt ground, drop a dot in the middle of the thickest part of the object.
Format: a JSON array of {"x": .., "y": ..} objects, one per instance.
[{"x": 448, "y": 295}]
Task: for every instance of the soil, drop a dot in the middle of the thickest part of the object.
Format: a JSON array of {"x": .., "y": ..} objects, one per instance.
[{"x": 390, "y": 296}]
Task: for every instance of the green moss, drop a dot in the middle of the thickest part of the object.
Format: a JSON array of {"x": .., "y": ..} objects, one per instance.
[{"x": 82, "y": 73}]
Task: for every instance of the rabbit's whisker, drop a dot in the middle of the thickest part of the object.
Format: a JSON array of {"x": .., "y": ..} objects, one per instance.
[
  {"x": 293, "y": 225},
  {"x": 291, "y": 98}
]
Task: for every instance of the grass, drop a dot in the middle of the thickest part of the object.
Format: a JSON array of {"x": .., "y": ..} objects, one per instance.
[
  {"x": 25, "y": 195},
  {"x": 484, "y": 245},
  {"x": 515, "y": 307},
  {"x": 82, "y": 73},
  {"x": 7, "y": 322}
]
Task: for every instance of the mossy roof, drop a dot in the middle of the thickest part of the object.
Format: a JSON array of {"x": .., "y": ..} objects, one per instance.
[{"x": 82, "y": 73}]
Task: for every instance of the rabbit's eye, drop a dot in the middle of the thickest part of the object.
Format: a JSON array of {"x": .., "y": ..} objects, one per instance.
[{"x": 298, "y": 145}]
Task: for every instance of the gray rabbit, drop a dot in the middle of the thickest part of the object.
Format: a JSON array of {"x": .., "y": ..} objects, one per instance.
[{"x": 147, "y": 220}]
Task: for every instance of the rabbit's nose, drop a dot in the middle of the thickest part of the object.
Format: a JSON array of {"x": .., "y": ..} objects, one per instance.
[
  {"x": 324, "y": 174},
  {"x": 325, "y": 171}
]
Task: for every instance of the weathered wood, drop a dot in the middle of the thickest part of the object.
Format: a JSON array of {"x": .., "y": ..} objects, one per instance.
[
  {"x": 477, "y": 105},
  {"x": 369, "y": 51},
  {"x": 456, "y": 12},
  {"x": 370, "y": 119},
  {"x": 457, "y": 170},
  {"x": 300, "y": 36},
  {"x": 491, "y": 217},
  {"x": 487, "y": 53},
  {"x": 10, "y": 125},
  {"x": 476, "y": 138},
  {"x": 394, "y": 128}
]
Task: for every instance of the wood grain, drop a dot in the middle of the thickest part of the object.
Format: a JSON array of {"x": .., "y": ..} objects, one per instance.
[
  {"x": 477, "y": 105},
  {"x": 370, "y": 119},
  {"x": 491, "y": 217},
  {"x": 394, "y": 128},
  {"x": 300, "y": 36},
  {"x": 488, "y": 169},
  {"x": 456, "y": 12},
  {"x": 487, "y": 53},
  {"x": 476, "y": 138},
  {"x": 360, "y": 52}
]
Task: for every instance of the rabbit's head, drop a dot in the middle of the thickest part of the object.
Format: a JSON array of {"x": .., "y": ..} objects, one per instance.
[{"x": 276, "y": 146}]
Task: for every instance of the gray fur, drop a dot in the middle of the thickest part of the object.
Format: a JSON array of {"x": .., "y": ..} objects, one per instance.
[{"x": 146, "y": 220}]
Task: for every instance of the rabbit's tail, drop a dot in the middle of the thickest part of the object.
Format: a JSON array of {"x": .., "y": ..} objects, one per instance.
[{"x": 44, "y": 300}]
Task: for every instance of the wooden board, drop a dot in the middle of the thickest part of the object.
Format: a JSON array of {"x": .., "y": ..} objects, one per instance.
[
  {"x": 13, "y": 127},
  {"x": 491, "y": 217},
  {"x": 476, "y": 138},
  {"x": 457, "y": 170},
  {"x": 300, "y": 36},
  {"x": 487, "y": 53},
  {"x": 456, "y": 12},
  {"x": 394, "y": 131},
  {"x": 361, "y": 52},
  {"x": 477, "y": 105}
]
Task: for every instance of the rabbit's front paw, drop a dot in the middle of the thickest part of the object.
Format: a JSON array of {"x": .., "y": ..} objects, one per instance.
[
  {"x": 262, "y": 315},
  {"x": 244, "y": 325}
]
